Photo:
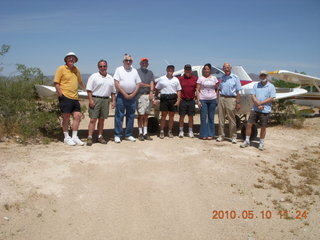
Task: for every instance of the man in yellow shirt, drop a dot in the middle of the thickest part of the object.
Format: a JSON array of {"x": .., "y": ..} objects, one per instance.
[{"x": 66, "y": 81}]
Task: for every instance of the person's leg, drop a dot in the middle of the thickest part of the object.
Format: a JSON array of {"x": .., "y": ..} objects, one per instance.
[
  {"x": 130, "y": 110},
  {"x": 230, "y": 110},
  {"x": 65, "y": 121},
  {"x": 211, "y": 108},
  {"x": 91, "y": 127},
  {"x": 145, "y": 124},
  {"x": 203, "y": 119},
  {"x": 140, "y": 123},
  {"x": 171, "y": 118},
  {"x": 100, "y": 126},
  {"x": 222, "y": 117},
  {"x": 163, "y": 120},
  {"x": 76, "y": 120},
  {"x": 119, "y": 115}
]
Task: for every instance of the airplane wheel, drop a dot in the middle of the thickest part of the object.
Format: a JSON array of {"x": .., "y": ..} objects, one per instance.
[
  {"x": 153, "y": 125},
  {"x": 254, "y": 132}
]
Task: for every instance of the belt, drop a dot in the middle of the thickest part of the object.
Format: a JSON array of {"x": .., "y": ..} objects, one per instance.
[
  {"x": 100, "y": 97},
  {"x": 228, "y": 96}
]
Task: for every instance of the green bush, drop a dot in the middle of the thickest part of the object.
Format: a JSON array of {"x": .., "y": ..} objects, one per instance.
[
  {"x": 22, "y": 113},
  {"x": 285, "y": 112}
]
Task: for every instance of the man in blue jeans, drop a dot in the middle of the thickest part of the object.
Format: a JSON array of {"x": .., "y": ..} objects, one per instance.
[{"x": 126, "y": 80}]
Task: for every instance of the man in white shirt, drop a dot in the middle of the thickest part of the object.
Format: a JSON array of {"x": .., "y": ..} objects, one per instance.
[
  {"x": 127, "y": 80},
  {"x": 100, "y": 87}
]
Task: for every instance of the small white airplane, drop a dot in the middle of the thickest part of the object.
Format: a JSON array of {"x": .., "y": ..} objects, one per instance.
[{"x": 309, "y": 83}]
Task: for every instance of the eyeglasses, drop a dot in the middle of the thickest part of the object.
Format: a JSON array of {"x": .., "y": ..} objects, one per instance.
[
  {"x": 103, "y": 66},
  {"x": 127, "y": 60}
]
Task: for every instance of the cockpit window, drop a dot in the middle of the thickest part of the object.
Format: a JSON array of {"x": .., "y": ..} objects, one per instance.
[{"x": 217, "y": 72}]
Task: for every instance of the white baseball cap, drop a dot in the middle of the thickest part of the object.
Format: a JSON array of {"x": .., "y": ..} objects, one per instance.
[{"x": 71, "y": 54}]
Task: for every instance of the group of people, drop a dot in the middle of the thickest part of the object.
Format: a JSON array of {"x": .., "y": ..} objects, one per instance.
[{"x": 133, "y": 89}]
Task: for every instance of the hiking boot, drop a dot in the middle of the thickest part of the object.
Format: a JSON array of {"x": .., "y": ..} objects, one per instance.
[
  {"x": 141, "y": 138},
  {"x": 161, "y": 134},
  {"x": 131, "y": 139},
  {"x": 245, "y": 144},
  {"x": 89, "y": 141},
  {"x": 77, "y": 141},
  {"x": 191, "y": 135},
  {"x": 234, "y": 140},
  {"x": 181, "y": 134},
  {"x": 170, "y": 135},
  {"x": 117, "y": 139},
  {"x": 69, "y": 141},
  {"x": 102, "y": 140},
  {"x": 147, "y": 137},
  {"x": 220, "y": 139},
  {"x": 261, "y": 146}
]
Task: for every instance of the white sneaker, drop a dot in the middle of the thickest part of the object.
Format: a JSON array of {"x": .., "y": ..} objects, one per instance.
[
  {"x": 234, "y": 140},
  {"x": 131, "y": 139},
  {"x": 181, "y": 134},
  {"x": 191, "y": 134},
  {"x": 69, "y": 141},
  {"x": 77, "y": 141},
  {"x": 117, "y": 139},
  {"x": 220, "y": 139},
  {"x": 261, "y": 146},
  {"x": 245, "y": 144}
]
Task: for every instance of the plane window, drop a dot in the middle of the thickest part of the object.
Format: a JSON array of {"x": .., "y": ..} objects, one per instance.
[
  {"x": 216, "y": 72},
  {"x": 308, "y": 88}
]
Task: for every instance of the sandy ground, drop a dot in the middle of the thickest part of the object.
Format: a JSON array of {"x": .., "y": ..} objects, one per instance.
[{"x": 163, "y": 189}]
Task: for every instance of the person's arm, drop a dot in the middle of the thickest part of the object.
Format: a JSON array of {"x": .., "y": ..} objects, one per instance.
[
  {"x": 83, "y": 87},
  {"x": 151, "y": 90},
  {"x": 120, "y": 89},
  {"x": 58, "y": 89},
  {"x": 91, "y": 102},
  {"x": 179, "y": 98},
  {"x": 113, "y": 100},
  {"x": 198, "y": 95}
]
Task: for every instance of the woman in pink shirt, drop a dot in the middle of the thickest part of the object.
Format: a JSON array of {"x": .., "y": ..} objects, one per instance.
[{"x": 207, "y": 86}]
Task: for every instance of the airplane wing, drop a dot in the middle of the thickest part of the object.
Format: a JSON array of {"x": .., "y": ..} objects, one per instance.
[
  {"x": 49, "y": 92},
  {"x": 293, "y": 77}
]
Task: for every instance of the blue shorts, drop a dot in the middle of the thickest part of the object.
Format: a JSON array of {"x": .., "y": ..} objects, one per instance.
[{"x": 68, "y": 105}]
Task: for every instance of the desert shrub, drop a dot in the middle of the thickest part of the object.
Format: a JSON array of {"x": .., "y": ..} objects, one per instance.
[
  {"x": 285, "y": 112},
  {"x": 22, "y": 113}
]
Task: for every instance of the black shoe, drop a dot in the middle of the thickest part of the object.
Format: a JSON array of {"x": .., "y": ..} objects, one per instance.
[
  {"x": 147, "y": 137},
  {"x": 141, "y": 138}
]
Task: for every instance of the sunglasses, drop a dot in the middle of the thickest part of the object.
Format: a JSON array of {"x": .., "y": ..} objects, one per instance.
[
  {"x": 128, "y": 60},
  {"x": 102, "y": 66}
]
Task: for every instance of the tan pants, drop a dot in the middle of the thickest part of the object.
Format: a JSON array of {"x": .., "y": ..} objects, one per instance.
[{"x": 227, "y": 107}]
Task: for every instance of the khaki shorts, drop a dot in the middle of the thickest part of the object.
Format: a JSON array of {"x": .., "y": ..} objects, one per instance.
[
  {"x": 143, "y": 104},
  {"x": 101, "y": 108}
]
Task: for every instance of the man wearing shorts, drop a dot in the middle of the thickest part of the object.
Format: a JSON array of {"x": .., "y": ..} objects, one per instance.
[
  {"x": 188, "y": 84},
  {"x": 100, "y": 88},
  {"x": 144, "y": 98},
  {"x": 170, "y": 89},
  {"x": 66, "y": 81},
  {"x": 263, "y": 94}
]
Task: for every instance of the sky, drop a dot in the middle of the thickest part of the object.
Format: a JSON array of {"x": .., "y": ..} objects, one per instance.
[{"x": 257, "y": 34}]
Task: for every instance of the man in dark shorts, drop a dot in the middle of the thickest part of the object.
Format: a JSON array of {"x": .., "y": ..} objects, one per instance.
[
  {"x": 188, "y": 84},
  {"x": 170, "y": 88},
  {"x": 263, "y": 94},
  {"x": 66, "y": 81}
]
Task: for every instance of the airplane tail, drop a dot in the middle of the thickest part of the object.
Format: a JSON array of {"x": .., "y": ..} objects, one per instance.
[{"x": 241, "y": 73}]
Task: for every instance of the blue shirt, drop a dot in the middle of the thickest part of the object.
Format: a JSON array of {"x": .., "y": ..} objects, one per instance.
[
  {"x": 230, "y": 85},
  {"x": 262, "y": 93}
]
